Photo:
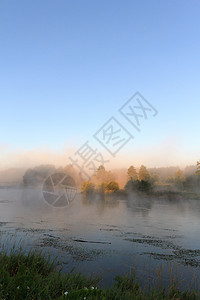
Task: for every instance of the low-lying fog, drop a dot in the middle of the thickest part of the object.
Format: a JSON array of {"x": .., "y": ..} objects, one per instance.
[{"x": 110, "y": 236}]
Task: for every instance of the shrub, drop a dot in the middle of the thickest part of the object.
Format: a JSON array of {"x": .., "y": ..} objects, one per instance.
[
  {"x": 88, "y": 188},
  {"x": 112, "y": 186}
]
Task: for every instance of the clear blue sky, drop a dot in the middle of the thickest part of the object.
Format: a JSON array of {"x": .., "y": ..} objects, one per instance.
[{"x": 67, "y": 66}]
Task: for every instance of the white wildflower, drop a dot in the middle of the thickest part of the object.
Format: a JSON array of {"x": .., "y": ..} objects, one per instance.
[{"x": 65, "y": 293}]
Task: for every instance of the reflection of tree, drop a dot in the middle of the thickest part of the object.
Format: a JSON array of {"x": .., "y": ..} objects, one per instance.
[
  {"x": 136, "y": 203},
  {"x": 100, "y": 201}
]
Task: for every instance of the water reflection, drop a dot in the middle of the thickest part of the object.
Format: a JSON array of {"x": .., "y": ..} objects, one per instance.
[{"x": 99, "y": 232}]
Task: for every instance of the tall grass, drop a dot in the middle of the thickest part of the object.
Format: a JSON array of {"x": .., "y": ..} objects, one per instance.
[{"x": 31, "y": 274}]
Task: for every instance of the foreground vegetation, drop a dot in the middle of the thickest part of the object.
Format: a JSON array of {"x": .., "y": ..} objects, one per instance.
[{"x": 32, "y": 276}]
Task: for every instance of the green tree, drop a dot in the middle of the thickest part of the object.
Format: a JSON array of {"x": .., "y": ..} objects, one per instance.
[
  {"x": 113, "y": 186},
  {"x": 131, "y": 173},
  {"x": 88, "y": 187},
  {"x": 144, "y": 174},
  {"x": 144, "y": 186},
  {"x": 131, "y": 185}
]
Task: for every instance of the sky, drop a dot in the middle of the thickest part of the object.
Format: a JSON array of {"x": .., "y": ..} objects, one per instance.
[{"x": 66, "y": 68}]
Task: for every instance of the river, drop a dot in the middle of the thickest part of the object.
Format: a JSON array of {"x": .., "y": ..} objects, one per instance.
[{"x": 158, "y": 239}]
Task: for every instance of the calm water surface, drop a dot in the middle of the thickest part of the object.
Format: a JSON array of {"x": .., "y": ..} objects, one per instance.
[{"x": 158, "y": 239}]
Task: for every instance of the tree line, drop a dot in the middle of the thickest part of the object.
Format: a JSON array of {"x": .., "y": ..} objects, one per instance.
[
  {"x": 103, "y": 181},
  {"x": 107, "y": 181}
]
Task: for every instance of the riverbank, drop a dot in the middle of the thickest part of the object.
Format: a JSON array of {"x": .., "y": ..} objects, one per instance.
[{"x": 33, "y": 276}]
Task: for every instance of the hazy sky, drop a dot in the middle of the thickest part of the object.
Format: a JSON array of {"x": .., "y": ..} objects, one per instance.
[{"x": 66, "y": 67}]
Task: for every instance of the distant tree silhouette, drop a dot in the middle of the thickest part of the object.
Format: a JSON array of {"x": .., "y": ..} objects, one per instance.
[
  {"x": 132, "y": 173},
  {"x": 198, "y": 169},
  {"x": 144, "y": 174},
  {"x": 138, "y": 186},
  {"x": 144, "y": 186},
  {"x": 131, "y": 185},
  {"x": 38, "y": 174},
  {"x": 102, "y": 175}
]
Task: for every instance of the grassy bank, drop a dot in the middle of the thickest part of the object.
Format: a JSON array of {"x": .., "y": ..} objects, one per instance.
[{"x": 32, "y": 276}]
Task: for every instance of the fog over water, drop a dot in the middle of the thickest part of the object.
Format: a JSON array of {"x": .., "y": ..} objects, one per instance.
[{"x": 110, "y": 236}]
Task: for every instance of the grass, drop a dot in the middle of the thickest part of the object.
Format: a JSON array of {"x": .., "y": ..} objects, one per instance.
[{"x": 34, "y": 276}]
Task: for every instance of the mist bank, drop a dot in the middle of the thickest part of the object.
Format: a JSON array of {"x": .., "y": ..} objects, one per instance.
[
  {"x": 164, "y": 154},
  {"x": 156, "y": 180}
]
